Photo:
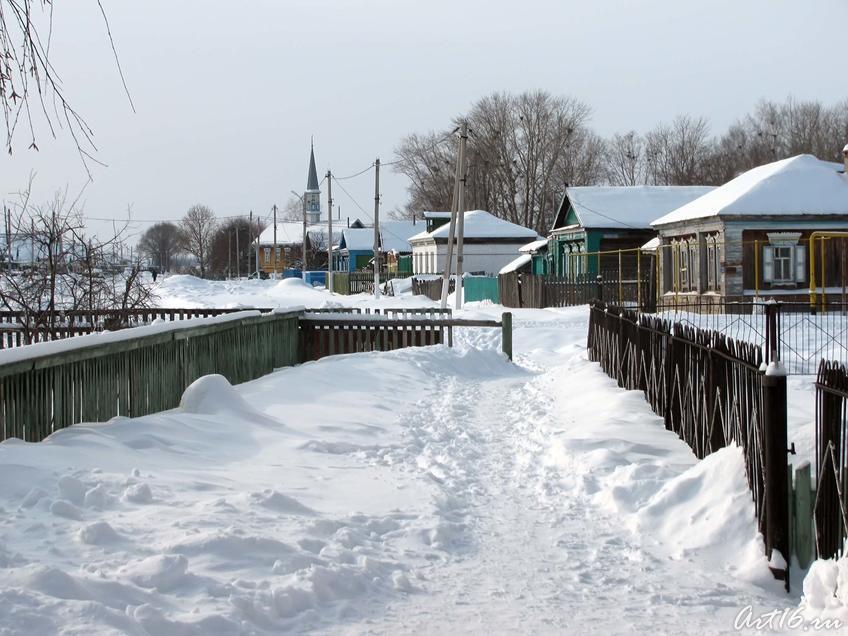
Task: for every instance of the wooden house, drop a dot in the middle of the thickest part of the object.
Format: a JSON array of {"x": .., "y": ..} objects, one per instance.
[
  {"x": 356, "y": 244},
  {"x": 489, "y": 244},
  {"x": 593, "y": 219},
  {"x": 751, "y": 236}
]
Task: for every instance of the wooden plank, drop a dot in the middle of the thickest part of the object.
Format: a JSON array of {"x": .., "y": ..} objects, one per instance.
[{"x": 803, "y": 516}]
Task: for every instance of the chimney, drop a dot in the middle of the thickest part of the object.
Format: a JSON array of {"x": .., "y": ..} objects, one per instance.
[{"x": 845, "y": 157}]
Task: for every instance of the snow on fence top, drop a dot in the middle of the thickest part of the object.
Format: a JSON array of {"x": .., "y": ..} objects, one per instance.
[{"x": 53, "y": 347}]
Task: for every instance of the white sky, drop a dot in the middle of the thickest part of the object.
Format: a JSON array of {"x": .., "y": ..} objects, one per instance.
[{"x": 228, "y": 93}]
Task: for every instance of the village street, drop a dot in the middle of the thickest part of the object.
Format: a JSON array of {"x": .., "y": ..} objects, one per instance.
[{"x": 440, "y": 490}]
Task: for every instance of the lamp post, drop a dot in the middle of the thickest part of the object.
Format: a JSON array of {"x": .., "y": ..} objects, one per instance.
[{"x": 303, "y": 245}]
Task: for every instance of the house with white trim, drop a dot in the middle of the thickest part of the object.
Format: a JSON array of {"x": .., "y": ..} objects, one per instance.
[
  {"x": 489, "y": 243},
  {"x": 751, "y": 236}
]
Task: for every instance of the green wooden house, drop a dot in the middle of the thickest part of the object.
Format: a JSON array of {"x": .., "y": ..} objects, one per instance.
[{"x": 593, "y": 223}]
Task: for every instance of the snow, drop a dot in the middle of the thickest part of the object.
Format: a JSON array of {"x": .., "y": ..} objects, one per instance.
[
  {"x": 628, "y": 206},
  {"x": 800, "y": 185},
  {"x": 395, "y": 235},
  {"x": 534, "y": 246},
  {"x": 482, "y": 224},
  {"x": 425, "y": 490},
  {"x": 357, "y": 239},
  {"x": 288, "y": 233},
  {"x": 518, "y": 263},
  {"x": 39, "y": 349},
  {"x": 291, "y": 233},
  {"x": 651, "y": 245}
]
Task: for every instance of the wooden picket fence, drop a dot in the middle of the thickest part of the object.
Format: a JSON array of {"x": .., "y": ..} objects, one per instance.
[
  {"x": 95, "y": 381},
  {"x": 520, "y": 289},
  {"x": 49, "y": 387},
  {"x": 18, "y": 328},
  {"x": 431, "y": 287}
]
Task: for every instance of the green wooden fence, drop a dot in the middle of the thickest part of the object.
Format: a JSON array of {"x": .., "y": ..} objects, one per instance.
[
  {"x": 478, "y": 288},
  {"x": 40, "y": 394},
  {"x": 49, "y": 386}
]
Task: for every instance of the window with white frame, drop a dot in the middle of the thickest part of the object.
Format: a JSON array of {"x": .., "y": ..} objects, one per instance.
[
  {"x": 784, "y": 260},
  {"x": 267, "y": 251}
]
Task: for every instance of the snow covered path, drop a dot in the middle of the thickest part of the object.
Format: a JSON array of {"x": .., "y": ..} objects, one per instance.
[
  {"x": 541, "y": 555},
  {"x": 419, "y": 491}
]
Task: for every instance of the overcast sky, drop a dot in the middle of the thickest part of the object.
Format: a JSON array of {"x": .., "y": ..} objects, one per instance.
[{"x": 227, "y": 94}]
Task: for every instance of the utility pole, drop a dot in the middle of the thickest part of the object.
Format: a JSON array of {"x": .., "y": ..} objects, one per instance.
[
  {"x": 330, "y": 231},
  {"x": 303, "y": 245},
  {"x": 238, "y": 254},
  {"x": 451, "y": 238},
  {"x": 463, "y": 138},
  {"x": 8, "y": 218},
  {"x": 229, "y": 255},
  {"x": 275, "y": 241},
  {"x": 255, "y": 244},
  {"x": 377, "y": 228}
]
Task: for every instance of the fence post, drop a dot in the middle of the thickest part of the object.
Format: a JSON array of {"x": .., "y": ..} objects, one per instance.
[
  {"x": 506, "y": 333},
  {"x": 599, "y": 286},
  {"x": 776, "y": 477}
]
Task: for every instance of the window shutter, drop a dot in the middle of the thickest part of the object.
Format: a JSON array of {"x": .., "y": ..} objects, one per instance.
[
  {"x": 768, "y": 263},
  {"x": 800, "y": 263}
]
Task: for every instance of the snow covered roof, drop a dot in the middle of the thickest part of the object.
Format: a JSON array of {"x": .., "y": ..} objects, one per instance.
[
  {"x": 518, "y": 263},
  {"x": 358, "y": 239},
  {"x": 535, "y": 246},
  {"x": 291, "y": 233},
  {"x": 288, "y": 233},
  {"x": 437, "y": 215},
  {"x": 653, "y": 244},
  {"x": 482, "y": 224},
  {"x": 395, "y": 235},
  {"x": 421, "y": 235},
  {"x": 632, "y": 207},
  {"x": 798, "y": 185}
]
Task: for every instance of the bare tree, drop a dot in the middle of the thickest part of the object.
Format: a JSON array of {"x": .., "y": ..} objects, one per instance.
[
  {"x": 65, "y": 269},
  {"x": 292, "y": 211},
  {"x": 29, "y": 85},
  {"x": 228, "y": 254},
  {"x": 197, "y": 229},
  {"x": 625, "y": 155},
  {"x": 676, "y": 152},
  {"x": 523, "y": 150},
  {"x": 160, "y": 243}
]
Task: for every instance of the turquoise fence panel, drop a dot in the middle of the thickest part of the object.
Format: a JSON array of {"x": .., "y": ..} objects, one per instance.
[{"x": 481, "y": 288}]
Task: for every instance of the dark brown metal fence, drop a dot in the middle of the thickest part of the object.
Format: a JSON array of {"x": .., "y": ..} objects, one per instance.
[
  {"x": 831, "y": 502},
  {"x": 535, "y": 291},
  {"x": 709, "y": 389}
]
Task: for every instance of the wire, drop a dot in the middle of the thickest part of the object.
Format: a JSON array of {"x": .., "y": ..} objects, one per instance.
[
  {"x": 349, "y": 196},
  {"x": 356, "y": 174},
  {"x": 572, "y": 199}
]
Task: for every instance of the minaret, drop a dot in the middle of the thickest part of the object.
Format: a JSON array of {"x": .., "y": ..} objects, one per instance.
[{"x": 312, "y": 196}]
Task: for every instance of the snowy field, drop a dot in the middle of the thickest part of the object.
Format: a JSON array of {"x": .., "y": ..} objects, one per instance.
[{"x": 427, "y": 490}]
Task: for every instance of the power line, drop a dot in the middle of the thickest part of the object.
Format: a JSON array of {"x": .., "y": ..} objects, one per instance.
[{"x": 356, "y": 174}]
